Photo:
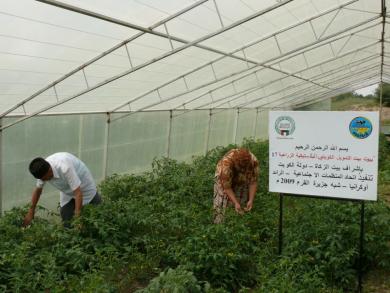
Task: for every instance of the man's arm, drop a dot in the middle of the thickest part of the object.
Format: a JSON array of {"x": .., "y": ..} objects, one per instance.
[
  {"x": 78, "y": 195},
  {"x": 74, "y": 183},
  {"x": 36, "y": 194},
  {"x": 252, "y": 193}
]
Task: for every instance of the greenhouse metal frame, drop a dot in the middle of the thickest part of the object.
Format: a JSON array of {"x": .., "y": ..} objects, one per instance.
[{"x": 121, "y": 84}]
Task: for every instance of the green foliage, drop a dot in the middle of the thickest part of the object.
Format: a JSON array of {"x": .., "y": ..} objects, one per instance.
[
  {"x": 123, "y": 186},
  {"x": 384, "y": 153},
  {"x": 384, "y": 165},
  {"x": 344, "y": 102},
  {"x": 175, "y": 280},
  {"x": 292, "y": 274},
  {"x": 162, "y": 219},
  {"x": 219, "y": 253},
  {"x": 385, "y": 94}
]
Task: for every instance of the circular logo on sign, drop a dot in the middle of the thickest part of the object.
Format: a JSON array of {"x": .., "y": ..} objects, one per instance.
[
  {"x": 360, "y": 127},
  {"x": 285, "y": 125}
]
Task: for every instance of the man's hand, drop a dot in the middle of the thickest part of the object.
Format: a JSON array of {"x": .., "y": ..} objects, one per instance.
[
  {"x": 34, "y": 200},
  {"x": 28, "y": 218}
]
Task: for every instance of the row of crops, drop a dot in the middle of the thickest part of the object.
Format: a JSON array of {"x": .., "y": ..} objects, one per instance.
[{"x": 154, "y": 233}]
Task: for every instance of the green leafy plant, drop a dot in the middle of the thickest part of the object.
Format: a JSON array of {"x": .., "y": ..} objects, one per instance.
[
  {"x": 176, "y": 280},
  {"x": 162, "y": 219}
]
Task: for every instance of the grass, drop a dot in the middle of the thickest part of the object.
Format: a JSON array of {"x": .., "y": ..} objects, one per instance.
[{"x": 351, "y": 102}]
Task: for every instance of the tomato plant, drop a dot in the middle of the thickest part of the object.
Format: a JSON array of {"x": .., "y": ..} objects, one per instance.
[{"x": 157, "y": 227}]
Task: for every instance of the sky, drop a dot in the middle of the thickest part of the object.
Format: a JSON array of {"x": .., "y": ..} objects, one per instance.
[{"x": 367, "y": 90}]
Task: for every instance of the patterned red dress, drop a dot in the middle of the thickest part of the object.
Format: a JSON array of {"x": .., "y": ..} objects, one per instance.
[{"x": 236, "y": 170}]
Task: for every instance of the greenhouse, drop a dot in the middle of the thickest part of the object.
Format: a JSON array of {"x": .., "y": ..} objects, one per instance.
[{"x": 146, "y": 92}]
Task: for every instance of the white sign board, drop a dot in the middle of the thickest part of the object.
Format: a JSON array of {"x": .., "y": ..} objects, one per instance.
[{"x": 320, "y": 153}]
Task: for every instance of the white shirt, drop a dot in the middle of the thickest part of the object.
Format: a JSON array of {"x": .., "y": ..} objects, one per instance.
[{"x": 69, "y": 173}]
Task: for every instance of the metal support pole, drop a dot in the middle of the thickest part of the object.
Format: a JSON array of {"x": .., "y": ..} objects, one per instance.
[
  {"x": 149, "y": 30},
  {"x": 246, "y": 58},
  {"x": 261, "y": 86},
  {"x": 85, "y": 78},
  {"x": 1, "y": 170},
  {"x": 213, "y": 69},
  {"x": 361, "y": 249},
  {"x": 106, "y": 145},
  {"x": 208, "y": 132},
  {"x": 169, "y": 134},
  {"x": 236, "y": 126},
  {"x": 280, "y": 223},
  {"x": 144, "y": 30},
  {"x": 219, "y": 14},
  {"x": 185, "y": 83},
  {"x": 169, "y": 37},
  {"x": 128, "y": 55},
  {"x": 380, "y": 105},
  {"x": 81, "y": 120},
  {"x": 255, "y": 126},
  {"x": 159, "y": 95},
  {"x": 329, "y": 24},
  {"x": 383, "y": 8},
  {"x": 277, "y": 43},
  {"x": 314, "y": 31},
  {"x": 55, "y": 93}
]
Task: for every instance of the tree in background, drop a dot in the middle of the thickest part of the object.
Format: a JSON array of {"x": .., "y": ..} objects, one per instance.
[
  {"x": 353, "y": 101},
  {"x": 385, "y": 94},
  {"x": 348, "y": 95}
]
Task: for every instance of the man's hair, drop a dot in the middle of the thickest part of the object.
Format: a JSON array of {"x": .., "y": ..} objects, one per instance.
[{"x": 39, "y": 167}]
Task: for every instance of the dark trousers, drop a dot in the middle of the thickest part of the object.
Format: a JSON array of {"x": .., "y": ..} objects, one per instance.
[{"x": 67, "y": 211}]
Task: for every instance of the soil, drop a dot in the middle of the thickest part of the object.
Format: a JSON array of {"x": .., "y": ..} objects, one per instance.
[{"x": 377, "y": 281}]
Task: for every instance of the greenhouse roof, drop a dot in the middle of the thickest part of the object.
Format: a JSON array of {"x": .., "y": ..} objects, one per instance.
[{"x": 141, "y": 55}]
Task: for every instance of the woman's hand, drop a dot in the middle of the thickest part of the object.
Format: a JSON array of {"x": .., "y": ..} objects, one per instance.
[
  {"x": 233, "y": 199},
  {"x": 252, "y": 193},
  {"x": 249, "y": 206},
  {"x": 238, "y": 209}
]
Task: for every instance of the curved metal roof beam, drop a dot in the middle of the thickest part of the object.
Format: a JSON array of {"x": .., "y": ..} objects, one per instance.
[
  {"x": 260, "y": 64},
  {"x": 192, "y": 43},
  {"x": 372, "y": 80},
  {"x": 295, "y": 73},
  {"x": 231, "y": 54},
  {"x": 311, "y": 88},
  {"x": 93, "y": 60},
  {"x": 311, "y": 92},
  {"x": 254, "y": 89},
  {"x": 147, "y": 30}
]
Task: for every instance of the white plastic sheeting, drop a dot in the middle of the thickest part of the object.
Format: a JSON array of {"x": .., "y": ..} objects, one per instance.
[
  {"x": 184, "y": 54},
  {"x": 128, "y": 145},
  {"x": 174, "y": 78}
]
